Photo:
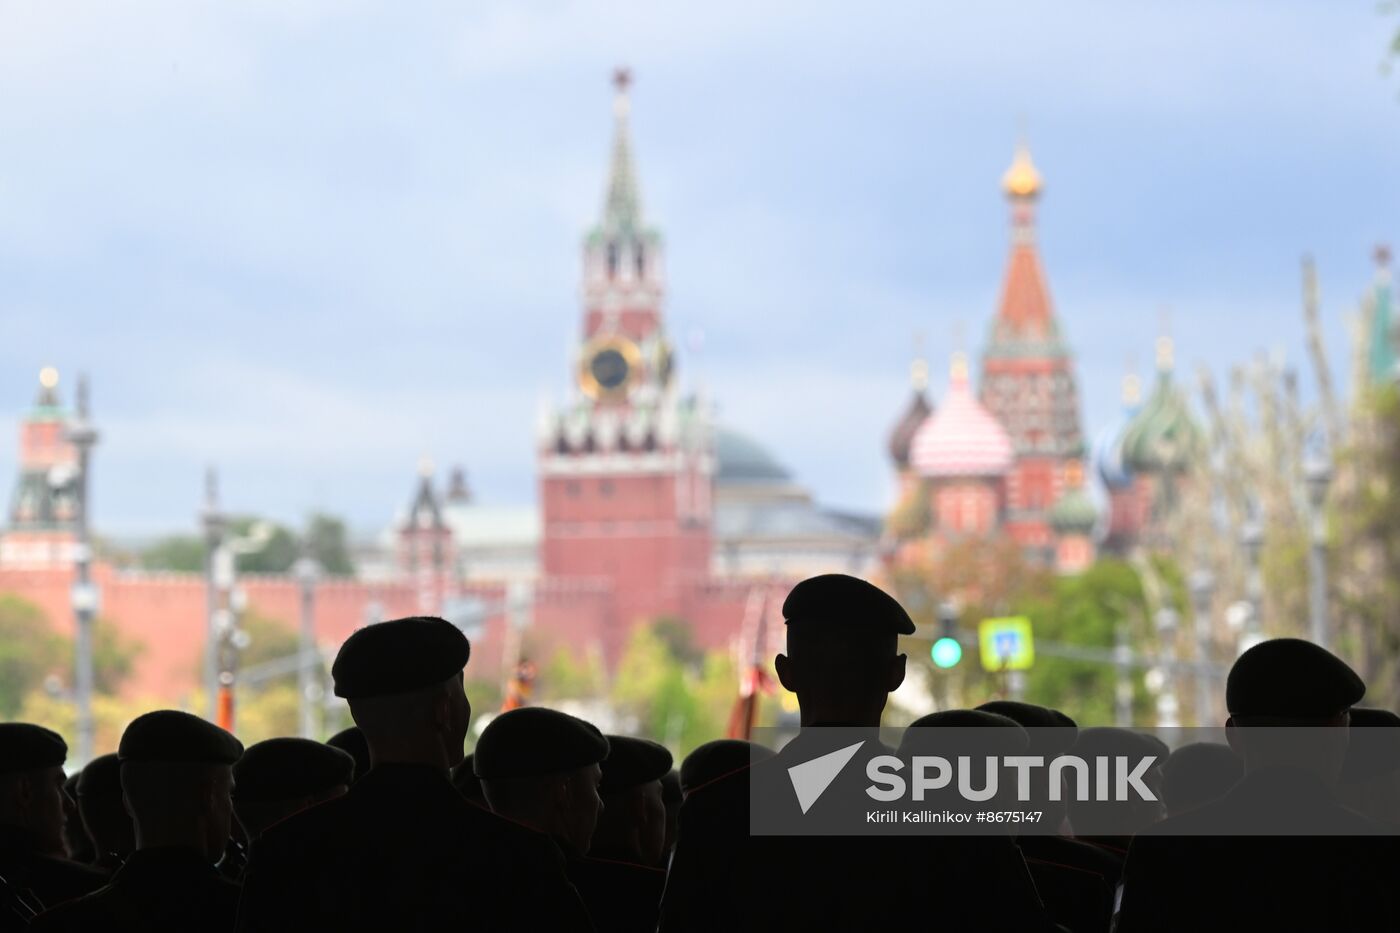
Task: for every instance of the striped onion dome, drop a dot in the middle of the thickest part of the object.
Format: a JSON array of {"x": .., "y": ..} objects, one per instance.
[{"x": 961, "y": 438}]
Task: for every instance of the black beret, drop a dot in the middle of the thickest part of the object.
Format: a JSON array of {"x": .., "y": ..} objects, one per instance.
[
  {"x": 170, "y": 735},
  {"x": 289, "y": 768},
  {"x": 27, "y": 747},
  {"x": 1373, "y": 747},
  {"x": 534, "y": 741},
  {"x": 996, "y": 735},
  {"x": 352, "y": 742},
  {"x": 632, "y": 762},
  {"x": 1199, "y": 773},
  {"x": 715, "y": 759},
  {"x": 1112, "y": 741},
  {"x": 1051, "y": 732},
  {"x": 102, "y": 775},
  {"x": 1291, "y": 678},
  {"x": 399, "y": 656},
  {"x": 835, "y": 597}
]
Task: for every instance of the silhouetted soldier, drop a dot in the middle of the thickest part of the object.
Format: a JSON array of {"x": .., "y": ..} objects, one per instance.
[
  {"x": 103, "y": 812},
  {"x": 352, "y": 742},
  {"x": 842, "y": 661},
  {"x": 1076, "y": 899},
  {"x": 280, "y": 777},
  {"x": 1229, "y": 865},
  {"x": 467, "y": 783},
  {"x": 32, "y": 851},
  {"x": 719, "y": 758},
  {"x": 1197, "y": 774},
  {"x": 622, "y": 876},
  {"x": 671, "y": 797},
  {"x": 1370, "y": 778},
  {"x": 76, "y": 841},
  {"x": 176, "y": 777},
  {"x": 1110, "y": 824},
  {"x": 402, "y": 850}
]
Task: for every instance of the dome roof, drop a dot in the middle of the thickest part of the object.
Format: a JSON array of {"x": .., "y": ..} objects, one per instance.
[
  {"x": 741, "y": 459},
  {"x": 1021, "y": 179},
  {"x": 1108, "y": 446},
  {"x": 1163, "y": 436},
  {"x": 962, "y": 438},
  {"x": 1075, "y": 511},
  {"x": 903, "y": 434}
]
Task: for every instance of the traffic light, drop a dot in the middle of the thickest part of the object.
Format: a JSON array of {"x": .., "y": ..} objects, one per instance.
[{"x": 947, "y": 650}]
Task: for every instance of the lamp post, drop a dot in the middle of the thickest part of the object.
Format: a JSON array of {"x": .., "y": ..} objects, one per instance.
[
  {"x": 83, "y": 436},
  {"x": 215, "y": 526},
  {"x": 1252, "y": 542},
  {"x": 1317, "y": 475},
  {"x": 309, "y": 688},
  {"x": 1202, "y": 586},
  {"x": 1168, "y": 707}
]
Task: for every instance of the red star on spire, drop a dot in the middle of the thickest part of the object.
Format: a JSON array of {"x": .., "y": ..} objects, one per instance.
[
  {"x": 1383, "y": 254},
  {"x": 622, "y": 79}
]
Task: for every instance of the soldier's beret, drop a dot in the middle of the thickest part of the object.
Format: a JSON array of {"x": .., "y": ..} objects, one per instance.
[
  {"x": 534, "y": 741},
  {"x": 1112, "y": 741},
  {"x": 168, "y": 735},
  {"x": 1051, "y": 732},
  {"x": 1291, "y": 678},
  {"x": 995, "y": 735},
  {"x": 102, "y": 775},
  {"x": 1373, "y": 746},
  {"x": 399, "y": 656},
  {"x": 27, "y": 747},
  {"x": 352, "y": 742},
  {"x": 715, "y": 759},
  {"x": 289, "y": 769},
  {"x": 847, "y": 601},
  {"x": 1198, "y": 773},
  {"x": 632, "y": 762}
]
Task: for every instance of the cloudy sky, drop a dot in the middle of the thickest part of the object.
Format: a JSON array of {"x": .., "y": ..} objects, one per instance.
[{"x": 312, "y": 242}]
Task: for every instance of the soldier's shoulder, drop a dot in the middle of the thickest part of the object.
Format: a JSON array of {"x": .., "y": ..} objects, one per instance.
[{"x": 83, "y": 913}]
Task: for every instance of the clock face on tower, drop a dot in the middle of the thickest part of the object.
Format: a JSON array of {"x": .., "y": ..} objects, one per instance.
[{"x": 610, "y": 366}]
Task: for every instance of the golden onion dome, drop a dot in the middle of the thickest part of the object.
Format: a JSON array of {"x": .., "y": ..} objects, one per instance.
[{"x": 1021, "y": 179}]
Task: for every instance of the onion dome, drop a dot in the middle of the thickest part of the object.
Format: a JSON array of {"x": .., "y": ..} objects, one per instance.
[
  {"x": 1163, "y": 437},
  {"x": 1075, "y": 512},
  {"x": 914, "y": 416},
  {"x": 1108, "y": 447},
  {"x": 962, "y": 438},
  {"x": 1021, "y": 180}
]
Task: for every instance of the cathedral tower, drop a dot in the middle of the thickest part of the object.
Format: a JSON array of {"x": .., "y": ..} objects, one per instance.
[
  {"x": 1028, "y": 376},
  {"x": 42, "y": 527}
]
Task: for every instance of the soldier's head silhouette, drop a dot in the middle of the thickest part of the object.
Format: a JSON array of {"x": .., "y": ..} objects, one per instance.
[
  {"x": 1096, "y": 817},
  {"x": 1051, "y": 734},
  {"x": 31, "y": 784},
  {"x": 403, "y": 682},
  {"x": 279, "y": 777},
  {"x": 632, "y": 825},
  {"x": 1198, "y": 773},
  {"x": 717, "y": 758},
  {"x": 842, "y": 657},
  {"x": 1289, "y": 702},
  {"x": 671, "y": 797},
  {"x": 75, "y": 836},
  {"x": 177, "y": 779},
  {"x": 542, "y": 768},
  {"x": 103, "y": 813},
  {"x": 351, "y": 741}
]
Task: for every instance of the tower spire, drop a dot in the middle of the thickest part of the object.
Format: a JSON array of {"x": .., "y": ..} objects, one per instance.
[{"x": 622, "y": 212}]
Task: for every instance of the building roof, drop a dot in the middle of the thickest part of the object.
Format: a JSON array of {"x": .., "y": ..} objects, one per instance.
[
  {"x": 962, "y": 438},
  {"x": 1108, "y": 447},
  {"x": 741, "y": 460},
  {"x": 1163, "y": 436}
]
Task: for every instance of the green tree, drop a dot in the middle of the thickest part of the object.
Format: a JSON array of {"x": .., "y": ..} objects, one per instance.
[
  {"x": 326, "y": 540},
  {"x": 30, "y": 650},
  {"x": 176, "y": 553},
  {"x": 113, "y": 656}
]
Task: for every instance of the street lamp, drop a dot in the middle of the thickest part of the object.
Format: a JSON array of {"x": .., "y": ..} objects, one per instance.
[
  {"x": 83, "y": 436},
  {"x": 307, "y": 572},
  {"x": 1202, "y": 587},
  {"x": 1317, "y": 475},
  {"x": 1167, "y": 705}
]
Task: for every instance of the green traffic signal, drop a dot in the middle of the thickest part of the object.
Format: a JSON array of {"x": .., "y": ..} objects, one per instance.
[{"x": 946, "y": 652}]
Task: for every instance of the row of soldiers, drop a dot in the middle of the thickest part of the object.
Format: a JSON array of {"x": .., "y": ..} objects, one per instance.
[{"x": 552, "y": 825}]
